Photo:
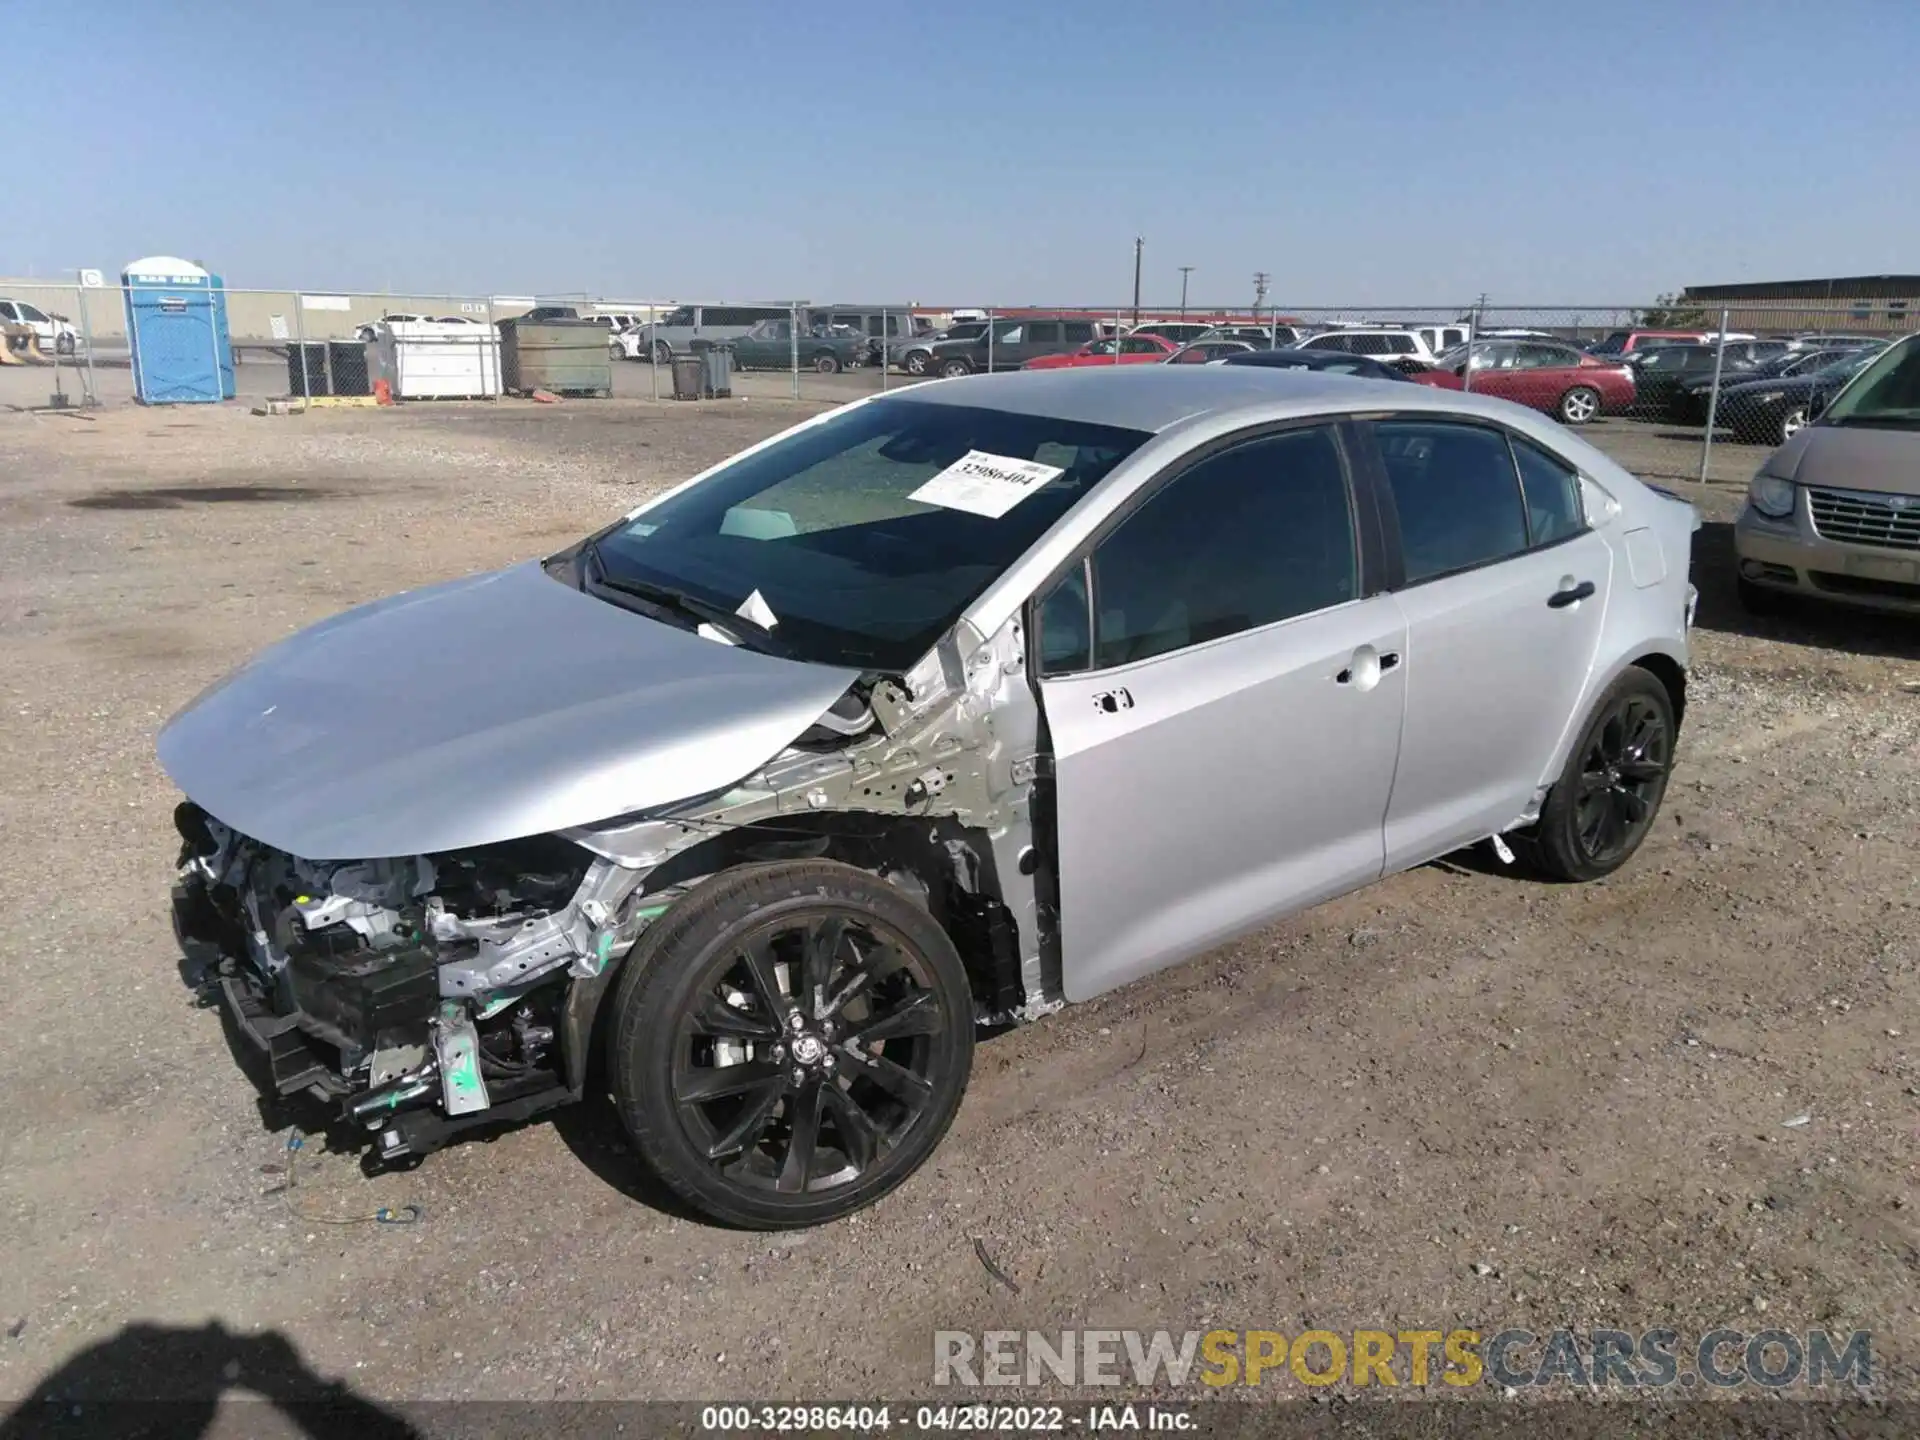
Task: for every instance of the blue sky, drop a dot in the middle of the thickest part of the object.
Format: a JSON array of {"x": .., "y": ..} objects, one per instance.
[{"x": 991, "y": 151}]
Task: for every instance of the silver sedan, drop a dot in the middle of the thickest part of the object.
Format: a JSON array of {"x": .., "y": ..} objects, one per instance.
[{"x": 946, "y": 708}]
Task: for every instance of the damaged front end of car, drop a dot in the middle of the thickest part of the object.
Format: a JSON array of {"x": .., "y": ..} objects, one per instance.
[
  {"x": 422, "y": 994},
  {"x": 429, "y": 994}
]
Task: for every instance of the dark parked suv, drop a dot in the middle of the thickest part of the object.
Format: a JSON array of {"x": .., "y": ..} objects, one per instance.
[{"x": 1008, "y": 346}]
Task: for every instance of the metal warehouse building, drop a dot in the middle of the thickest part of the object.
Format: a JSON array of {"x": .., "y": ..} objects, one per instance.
[{"x": 1873, "y": 304}]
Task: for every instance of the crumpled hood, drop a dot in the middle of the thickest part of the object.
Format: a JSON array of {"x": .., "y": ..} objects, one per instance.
[
  {"x": 1851, "y": 457},
  {"x": 480, "y": 710}
]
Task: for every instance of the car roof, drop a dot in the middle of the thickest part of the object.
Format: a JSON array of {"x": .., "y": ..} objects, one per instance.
[{"x": 1155, "y": 398}]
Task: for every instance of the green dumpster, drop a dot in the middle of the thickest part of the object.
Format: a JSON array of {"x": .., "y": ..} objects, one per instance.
[{"x": 564, "y": 357}]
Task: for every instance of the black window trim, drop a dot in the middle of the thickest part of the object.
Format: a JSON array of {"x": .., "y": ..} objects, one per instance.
[
  {"x": 1373, "y": 558},
  {"x": 1373, "y": 463}
]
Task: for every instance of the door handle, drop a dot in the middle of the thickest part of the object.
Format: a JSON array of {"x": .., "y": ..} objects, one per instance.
[
  {"x": 1364, "y": 670},
  {"x": 1570, "y": 595}
]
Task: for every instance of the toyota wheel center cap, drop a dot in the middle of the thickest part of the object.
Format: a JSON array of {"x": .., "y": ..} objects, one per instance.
[{"x": 809, "y": 1049}]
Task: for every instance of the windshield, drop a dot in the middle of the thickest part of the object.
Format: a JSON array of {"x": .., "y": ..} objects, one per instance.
[
  {"x": 1614, "y": 344},
  {"x": 824, "y": 526},
  {"x": 1884, "y": 392}
]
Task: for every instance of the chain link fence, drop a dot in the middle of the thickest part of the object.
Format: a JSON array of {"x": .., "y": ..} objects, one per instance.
[{"x": 1713, "y": 384}]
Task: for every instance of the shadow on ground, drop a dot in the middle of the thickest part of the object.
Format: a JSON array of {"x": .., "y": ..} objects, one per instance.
[
  {"x": 167, "y": 1380},
  {"x": 1809, "y": 622}
]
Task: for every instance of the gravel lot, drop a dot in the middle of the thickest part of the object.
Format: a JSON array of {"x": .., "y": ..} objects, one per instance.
[{"x": 1460, "y": 1097}]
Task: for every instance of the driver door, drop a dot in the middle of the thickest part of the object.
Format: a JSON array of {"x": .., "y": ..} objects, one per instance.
[{"x": 1222, "y": 694}]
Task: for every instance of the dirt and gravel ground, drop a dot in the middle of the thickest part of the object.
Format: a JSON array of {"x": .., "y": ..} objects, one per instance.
[{"x": 1457, "y": 1098}]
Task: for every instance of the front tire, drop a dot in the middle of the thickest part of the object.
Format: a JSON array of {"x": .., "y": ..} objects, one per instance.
[
  {"x": 1579, "y": 405},
  {"x": 1604, "y": 803},
  {"x": 791, "y": 1042}
]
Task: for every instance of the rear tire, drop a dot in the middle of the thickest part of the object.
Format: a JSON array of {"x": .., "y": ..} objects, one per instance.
[
  {"x": 63, "y": 345},
  {"x": 1578, "y": 406},
  {"x": 916, "y": 363},
  {"x": 662, "y": 353},
  {"x": 717, "y": 1072},
  {"x": 826, "y": 363},
  {"x": 954, "y": 369},
  {"x": 1604, "y": 803},
  {"x": 1792, "y": 423}
]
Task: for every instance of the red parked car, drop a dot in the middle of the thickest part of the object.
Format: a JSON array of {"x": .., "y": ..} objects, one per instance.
[
  {"x": 1571, "y": 386},
  {"x": 1127, "y": 350}
]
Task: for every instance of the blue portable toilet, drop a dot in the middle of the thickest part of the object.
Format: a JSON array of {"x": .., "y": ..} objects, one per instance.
[{"x": 177, "y": 329}]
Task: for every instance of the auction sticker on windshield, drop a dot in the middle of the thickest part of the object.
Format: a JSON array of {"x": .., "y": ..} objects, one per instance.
[{"x": 983, "y": 484}]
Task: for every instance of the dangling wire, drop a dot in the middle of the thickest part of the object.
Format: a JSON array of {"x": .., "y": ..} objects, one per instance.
[{"x": 385, "y": 1215}]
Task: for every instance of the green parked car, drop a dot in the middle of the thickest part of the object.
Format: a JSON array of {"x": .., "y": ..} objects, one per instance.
[{"x": 770, "y": 346}]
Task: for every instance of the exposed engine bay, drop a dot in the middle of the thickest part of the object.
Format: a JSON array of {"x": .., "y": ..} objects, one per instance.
[{"x": 427, "y": 994}]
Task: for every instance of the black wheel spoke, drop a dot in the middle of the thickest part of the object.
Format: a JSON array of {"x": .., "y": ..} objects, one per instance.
[
  {"x": 804, "y": 1116},
  {"x": 759, "y": 957},
  {"x": 817, "y": 961},
  {"x": 888, "y": 1075},
  {"x": 919, "y": 1015},
  {"x": 1593, "y": 782},
  {"x": 1641, "y": 772},
  {"x": 716, "y": 1017},
  {"x": 697, "y": 1085},
  {"x": 859, "y": 1137},
  {"x": 1628, "y": 804},
  {"x": 751, "y": 1124},
  {"x": 879, "y": 961}
]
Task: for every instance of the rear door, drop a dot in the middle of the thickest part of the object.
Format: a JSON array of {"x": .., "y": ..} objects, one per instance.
[
  {"x": 1505, "y": 591},
  {"x": 1222, "y": 691},
  {"x": 1041, "y": 337}
]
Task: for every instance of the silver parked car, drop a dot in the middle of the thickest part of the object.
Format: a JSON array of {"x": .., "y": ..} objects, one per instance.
[
  {"x": 1834, "y": 514},
  {"x": 945, "y": 708}
]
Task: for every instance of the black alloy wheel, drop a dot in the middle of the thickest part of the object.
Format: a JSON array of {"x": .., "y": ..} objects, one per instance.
[
  {"x": 1603, "y": 805},
  {"x": 793, "y": 1045},
  {"x": 1622, "y": 776}
]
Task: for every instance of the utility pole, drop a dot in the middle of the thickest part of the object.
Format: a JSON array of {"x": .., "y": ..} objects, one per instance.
[
  {"x": 1139, "y": 244},
  {"x": 1260, "y": 279},
  {"x": 1185, "y": 271}
]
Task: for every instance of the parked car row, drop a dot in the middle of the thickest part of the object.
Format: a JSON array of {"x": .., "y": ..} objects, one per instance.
[{"x": 878, "y": 328}]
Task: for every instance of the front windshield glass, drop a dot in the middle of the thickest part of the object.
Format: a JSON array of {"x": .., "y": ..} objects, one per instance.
[
  {"x": 1886, "y": 392},
  {"x": 823, "y": 525}
]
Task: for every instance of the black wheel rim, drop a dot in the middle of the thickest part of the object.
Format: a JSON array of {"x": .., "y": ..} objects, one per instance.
[
  {"x": 807, "y": 1053},
  {"x": 1623, "y": 771}
]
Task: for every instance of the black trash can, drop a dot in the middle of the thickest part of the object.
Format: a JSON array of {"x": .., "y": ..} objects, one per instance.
[
  {"x": 689, "y": 373},
  {"x": 717, "y": 358}
]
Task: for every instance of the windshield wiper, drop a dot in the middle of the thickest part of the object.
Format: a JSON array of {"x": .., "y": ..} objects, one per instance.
[{"x": 748, "y": 632}]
